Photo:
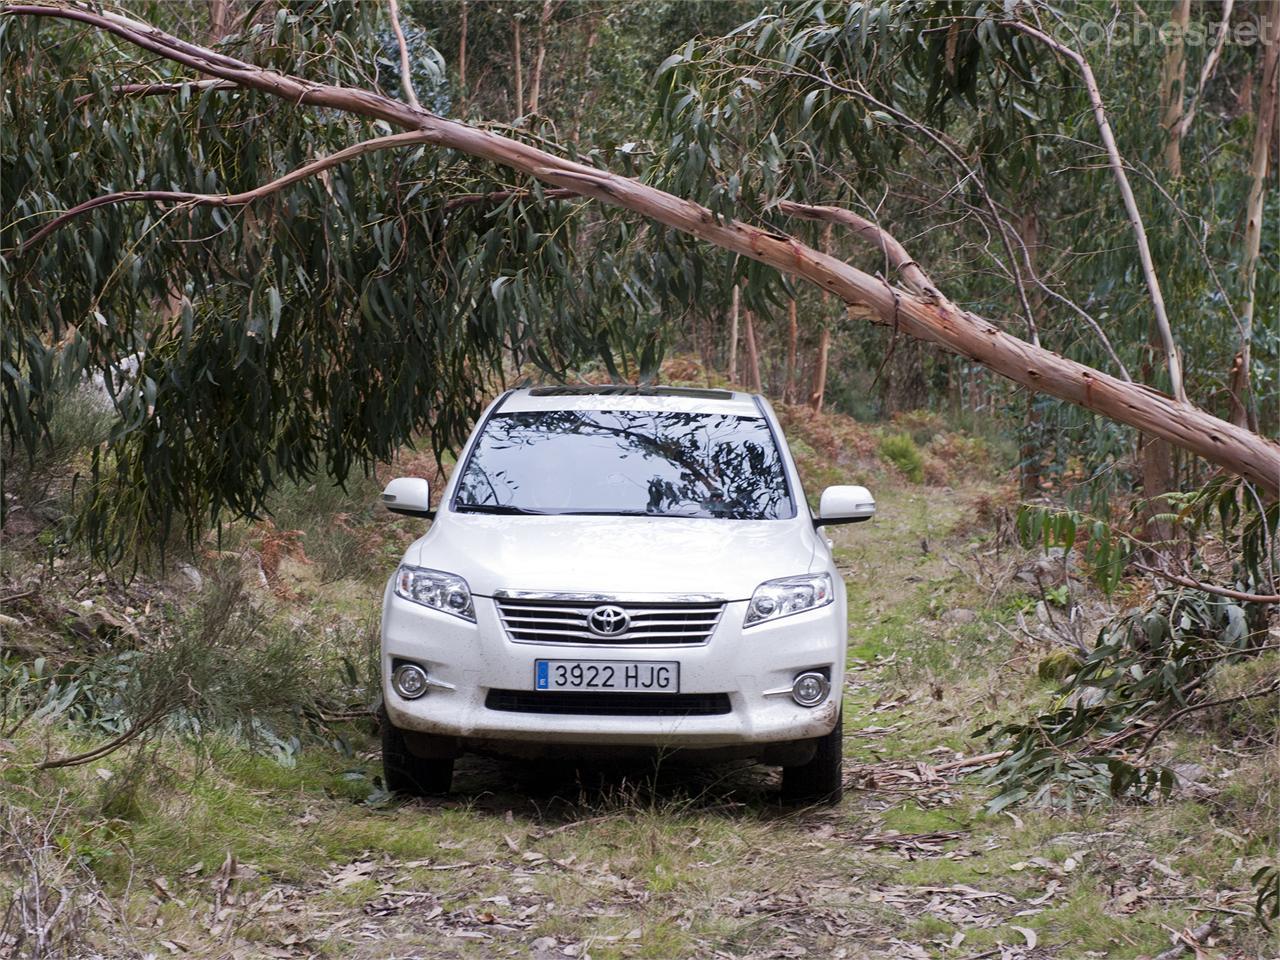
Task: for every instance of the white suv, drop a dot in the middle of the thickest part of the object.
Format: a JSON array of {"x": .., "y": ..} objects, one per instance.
[{"x": 618, "y": 569}]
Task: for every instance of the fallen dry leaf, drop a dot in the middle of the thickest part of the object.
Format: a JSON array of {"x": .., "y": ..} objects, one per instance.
[{"x": 1029, "y": 935}]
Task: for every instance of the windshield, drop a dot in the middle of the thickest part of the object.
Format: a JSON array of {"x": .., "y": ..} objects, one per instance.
[{"x": 626, "y": 462}]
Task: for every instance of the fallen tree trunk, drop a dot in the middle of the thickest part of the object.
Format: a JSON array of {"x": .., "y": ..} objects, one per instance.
[{"x": 923, "y": 315}]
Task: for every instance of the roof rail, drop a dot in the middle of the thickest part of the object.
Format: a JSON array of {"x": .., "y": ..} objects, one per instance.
[{"x": 626, "y": 390}]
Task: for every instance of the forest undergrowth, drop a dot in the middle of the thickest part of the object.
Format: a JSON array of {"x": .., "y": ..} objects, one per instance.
[{"x": 188, "y": 765}]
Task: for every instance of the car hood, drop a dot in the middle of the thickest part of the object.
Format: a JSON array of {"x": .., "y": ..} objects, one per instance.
[{"x": 615, "y": 554}]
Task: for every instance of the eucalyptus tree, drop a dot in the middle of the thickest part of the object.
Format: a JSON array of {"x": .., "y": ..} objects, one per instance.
[
  {"x": 1022, "y": 170},
  {"x": 305, "y": 286}
]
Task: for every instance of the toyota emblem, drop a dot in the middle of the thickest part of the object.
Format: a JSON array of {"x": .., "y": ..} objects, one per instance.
[{"x": 608, "y": 621}]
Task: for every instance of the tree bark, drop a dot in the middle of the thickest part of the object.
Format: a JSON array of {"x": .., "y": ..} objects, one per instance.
[
  {"x": 535, "y": 87},
  {"x": 793, "y": 340},
  {"x": 753, "y": 355},
  {"x": 1244, "y": 411},
  {"x": 1155, "y": 456},
  {"x": 733, "y": 337},
  {"x": 584, "y": 70},
  {"x": 931, "y": 318}
]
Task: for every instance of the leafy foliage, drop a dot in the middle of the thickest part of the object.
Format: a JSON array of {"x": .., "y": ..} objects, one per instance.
[
  {"x": 320, "y": 329},
  {"x": 226, "y": 670},
  {"x": 1267, "y": 882},
  {"x": 974, "y": 143},
  {"x": 1146, "y": 666}
]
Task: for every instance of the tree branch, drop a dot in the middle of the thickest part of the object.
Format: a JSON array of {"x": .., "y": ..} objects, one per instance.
[
  {"x": 226, "y": 199},
  {"x": 894, "y": 252},
  {"x": 154, "y": 716},
  {"x": 1204, "y": 705},
  {"x": 949, "y": 147},
  {"x": 406, "y": 77},
  {"x": 159, "y": 89},
  {"x": 1240, "y": 450},
  {"x": 1208, "y": 587},
  {"x": 499, "y": 196},
  {"x": 1130, "y": 202}
]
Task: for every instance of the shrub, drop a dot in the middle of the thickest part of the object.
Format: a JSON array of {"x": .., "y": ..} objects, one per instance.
[
  {"x": 900, "y": 450},
  {"x": 921, "y": 425},
  {"x": 225, "y": 668}
]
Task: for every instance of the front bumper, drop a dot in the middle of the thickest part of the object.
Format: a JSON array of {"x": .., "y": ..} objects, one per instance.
[{"x": 473, "y": 659}]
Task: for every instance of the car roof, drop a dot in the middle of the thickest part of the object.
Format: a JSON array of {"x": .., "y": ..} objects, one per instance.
[{"x": 624, "y": 397}]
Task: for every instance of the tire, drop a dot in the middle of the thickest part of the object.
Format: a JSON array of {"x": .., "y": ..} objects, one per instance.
[
  {"x": 405, "y": 773},
  {"x": 821, "y": 780}
]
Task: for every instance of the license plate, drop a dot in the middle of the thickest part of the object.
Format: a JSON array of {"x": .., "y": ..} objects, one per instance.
[{"x": 631, "y": 676}]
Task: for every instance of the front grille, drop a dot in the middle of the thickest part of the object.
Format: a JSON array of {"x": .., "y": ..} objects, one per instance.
[
  {"x": 609, "y": 704},
  {"x": 555, "y": 620}
]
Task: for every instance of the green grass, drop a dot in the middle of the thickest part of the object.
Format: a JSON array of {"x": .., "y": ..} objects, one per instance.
[{"x": 900, "y": 450}]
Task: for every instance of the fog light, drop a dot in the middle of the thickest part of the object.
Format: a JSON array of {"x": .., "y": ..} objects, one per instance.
[
  {"x": 409, "y": 680},
  {"x": 810, "y": 689}
]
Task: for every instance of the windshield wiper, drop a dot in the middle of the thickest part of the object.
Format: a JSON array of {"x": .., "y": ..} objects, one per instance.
[{"x": 505, "y": 508}]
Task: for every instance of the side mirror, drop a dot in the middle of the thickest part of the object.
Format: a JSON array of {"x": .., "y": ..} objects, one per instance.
[
  {"x": 408, "y": 495},
  {"x": 845, "y": 505}
]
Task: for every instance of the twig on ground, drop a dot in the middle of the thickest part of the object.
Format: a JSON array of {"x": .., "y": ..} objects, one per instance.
[
  {"x": 576, "y": 823},
  {"x": 1187, "y": 940}
]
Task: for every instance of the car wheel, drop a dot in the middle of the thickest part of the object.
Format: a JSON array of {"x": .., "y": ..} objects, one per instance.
[
  {"x": 821, "y": 780},
  {"x": 404, "y": 772}
]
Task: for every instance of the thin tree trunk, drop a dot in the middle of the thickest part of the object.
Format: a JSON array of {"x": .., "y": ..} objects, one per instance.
[
  {"x": 705, "y": 332},
  {"x": 733, "y": 338},
  {"x": 1244, "y": 410},
  {"x": 753, "y": 355},
  {"x": 584, "y": 68},
  {"x": 793, "y": 341},
  {"x": 818, "y": 388},
  {"x": 516, "y": 44},
  {"x": 406, "y": 74},
  {"x": 928, "y": 316},
  {"x": 1172, "y": 87},
  {"x": 1155, "y": 456},
  {"x": 819, "y": 392},
  {"x": 462, "y": 58},
  {"x": 217, "y": 19},
  {"x": 1161, "y": 318},
  {"x": 1032, "y": 458},
  {"x": 1207, "y": 70},
  {"x": 535, "y": 87}
]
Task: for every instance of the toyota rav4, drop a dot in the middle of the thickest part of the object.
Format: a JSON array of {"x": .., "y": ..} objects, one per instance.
[{"x": 616, "y": 569}]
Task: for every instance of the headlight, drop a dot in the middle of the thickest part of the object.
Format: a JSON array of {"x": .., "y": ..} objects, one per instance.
[
  {"x": 446, "y": 592},
  {"x": 781, "y": 598}
]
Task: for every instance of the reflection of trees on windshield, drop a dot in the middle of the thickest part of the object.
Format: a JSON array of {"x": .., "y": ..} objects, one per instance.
[{"x": 627, "y": 462}]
